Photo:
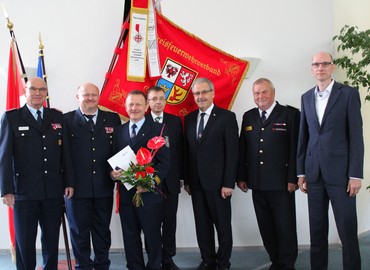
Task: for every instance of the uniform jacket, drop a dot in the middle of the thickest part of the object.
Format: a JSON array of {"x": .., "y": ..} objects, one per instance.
[
  {"x": 35, "y": 161},
  {"x": 161, "y": 161},
  {"x": 212, "y": 162},
  {"x": 335, "y": 147},
  {"x": 176, "y": 142},
  {"x": 90, "y": 152},
  {"x": 268, "y": 152}
]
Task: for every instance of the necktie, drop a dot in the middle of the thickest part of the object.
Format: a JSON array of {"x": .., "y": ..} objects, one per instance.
[
  {"x": 263, "y": 117},
  {"x": 158, "y": 119},
  {"x": 133, "y": 132},
  {"x": 201, "y": 126},
  {"x": 39, "y": 119},
  {"x": 90, "y": 122}
]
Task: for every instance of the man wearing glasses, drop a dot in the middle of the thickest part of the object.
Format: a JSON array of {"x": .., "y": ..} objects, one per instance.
[
  {"x": 330, "y": 161},
  {"x": 35, "y": 173},
  {"x": 211, "y": 146},
  {"x": 171, "y": 186}
]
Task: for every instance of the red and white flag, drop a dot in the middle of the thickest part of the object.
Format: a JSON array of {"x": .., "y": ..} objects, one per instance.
[{"x": 183, "y": 57}]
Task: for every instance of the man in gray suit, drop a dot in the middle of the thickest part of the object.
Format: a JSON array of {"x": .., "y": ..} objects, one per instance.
[{"x": 330, "y": 161}]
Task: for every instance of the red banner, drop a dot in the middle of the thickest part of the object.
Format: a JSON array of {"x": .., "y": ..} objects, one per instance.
[
  {"x": 14, "y": 92},
  {"x": 183, "y": 58}
]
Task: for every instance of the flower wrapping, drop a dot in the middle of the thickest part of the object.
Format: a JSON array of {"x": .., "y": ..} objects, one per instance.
[{"x": 142, "y": 175}]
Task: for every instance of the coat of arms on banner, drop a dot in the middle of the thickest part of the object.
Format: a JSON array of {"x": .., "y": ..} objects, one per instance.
[{"x": 176, "y": 81}]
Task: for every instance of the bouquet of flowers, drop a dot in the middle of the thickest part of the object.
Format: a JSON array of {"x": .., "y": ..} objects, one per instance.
[{"x": 142, "y": 173}]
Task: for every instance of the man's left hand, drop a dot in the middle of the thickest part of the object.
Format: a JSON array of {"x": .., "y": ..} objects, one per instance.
[
  {"x": 292, "y": 187},
  {"x": 68, "y": 192},
  {"x": 354, "y": 186}
]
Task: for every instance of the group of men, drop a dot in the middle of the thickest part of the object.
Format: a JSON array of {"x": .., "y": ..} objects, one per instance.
[{"x": 47, "y": 155}]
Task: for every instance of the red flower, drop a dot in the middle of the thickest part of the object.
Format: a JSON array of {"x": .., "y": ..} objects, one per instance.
[
  {"x": 156, "y": 142},
  {"x": 149, "y": 170},
  {"x": 138, "y": 174},
  {"x": 143, "y": 156}
]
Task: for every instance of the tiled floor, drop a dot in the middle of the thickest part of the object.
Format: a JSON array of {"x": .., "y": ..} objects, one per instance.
[{"x": 251, "y": 258}]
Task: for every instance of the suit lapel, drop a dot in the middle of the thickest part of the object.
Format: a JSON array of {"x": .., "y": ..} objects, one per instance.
[
  {"x": 100, "y": 121},
  {"x": 275, "y": 112},
  {"x": 28, "y": 117},
  {"x": 145, "y": 128},
  {"x": 335, "y": 92},
  {"x": 81, "y": 120},
  {"x": 311, "y": 106},
  {"x": 210, "y": 123}
]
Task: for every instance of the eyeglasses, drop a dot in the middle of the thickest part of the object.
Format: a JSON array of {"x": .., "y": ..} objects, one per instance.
[
  {"x": 42, "y": 89},
  {"x": 324, "y": 64},
  {"x": 197, "y": 94},
  {"x": 155, "y": 99}
]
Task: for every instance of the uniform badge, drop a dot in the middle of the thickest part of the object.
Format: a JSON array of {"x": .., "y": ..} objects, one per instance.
[
  {"x": 56, "y": 126},
  {"x": 109, "y": 130},
  {"x": 23, "y": 128},
  {"x": 248, "y": 128}
]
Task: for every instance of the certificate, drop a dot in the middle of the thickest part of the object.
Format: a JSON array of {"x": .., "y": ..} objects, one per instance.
[{"x": 122, "y": 160}]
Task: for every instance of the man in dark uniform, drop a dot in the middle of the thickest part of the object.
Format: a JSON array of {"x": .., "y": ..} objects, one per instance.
[
  {"x": 89, "y": 212},
  {"x": 267, "y": 165},
  {"x": 171, "y": 187},
  {"x": 35, "y": 173},
  {"x": 211, "y": 136},
  {"x": 146, "y": 218}
]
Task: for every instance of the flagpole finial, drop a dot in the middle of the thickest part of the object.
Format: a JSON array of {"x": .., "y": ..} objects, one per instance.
[
  {"x": 9, "y": 24},
  {"x": 41, "y": 46}
]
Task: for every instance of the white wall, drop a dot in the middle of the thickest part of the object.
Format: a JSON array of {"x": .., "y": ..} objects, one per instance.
[
  {"x": 357, "y": 13},
  {"x": 80, "y": 36}
]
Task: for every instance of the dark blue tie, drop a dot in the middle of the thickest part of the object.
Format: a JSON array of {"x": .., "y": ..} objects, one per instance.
[
  {"x": 39, "y": 118},
  {"x": 263, "y": 117},
  {"x": 90, "y": 122},
  {"x": 133, "y": 132}
]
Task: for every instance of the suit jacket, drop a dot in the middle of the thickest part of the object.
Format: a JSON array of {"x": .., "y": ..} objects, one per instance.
[
  {"x": 271, "y": 163},
  {"x": 212, "y": 162},
  {"x": 335, "y": 148},
  {"x": 176, "y": 141},
  {"x": 35, "y": 161},
  {"x": 90, "y": 152},
  {"x": 161, "y": 161}
]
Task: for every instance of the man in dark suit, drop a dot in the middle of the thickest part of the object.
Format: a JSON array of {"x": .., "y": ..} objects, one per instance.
[
  {"x": 330, "y": 161},
  {"x": 211, "y": 136},
  {"x": 267, "y": 165},
  {"x": 147, "y": 218},
  {"x": 35, "y": 173},
  {"x": 171, "y": 187},
  {"x": 89, "y": 212}
]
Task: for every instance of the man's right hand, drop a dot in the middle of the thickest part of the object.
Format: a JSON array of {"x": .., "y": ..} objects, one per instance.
[
  {"x": 8, "y": 200},
  {"x": 302, "y": 184}
]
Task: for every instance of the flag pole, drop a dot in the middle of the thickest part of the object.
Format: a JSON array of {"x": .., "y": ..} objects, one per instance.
[
  {"x": 10, "y": 26},
  {"x": 64, "y": 227},
  {"x": 44, "y": 76},
  {"x": 121, "y": 40}
]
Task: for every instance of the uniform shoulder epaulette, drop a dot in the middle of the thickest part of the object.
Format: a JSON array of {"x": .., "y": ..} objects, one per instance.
[
  {"x": 291, "y": 107},
  {"x": 249, "y": 110},
  {"x": 11, "y": 110},
  {"x": 56, "y": 110}
]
